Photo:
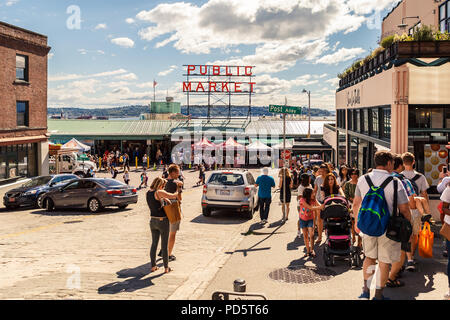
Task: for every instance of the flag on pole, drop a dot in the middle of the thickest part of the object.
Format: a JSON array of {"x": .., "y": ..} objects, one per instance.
[{"x": 155, "y": 83}]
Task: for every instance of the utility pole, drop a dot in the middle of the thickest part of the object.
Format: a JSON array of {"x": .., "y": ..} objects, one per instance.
[{"x": 309, "y": 111}]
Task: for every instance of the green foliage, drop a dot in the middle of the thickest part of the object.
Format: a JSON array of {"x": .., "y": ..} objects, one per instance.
[
  {"x": 424, "y": 33},
  {"x": 387, "y": 42}
]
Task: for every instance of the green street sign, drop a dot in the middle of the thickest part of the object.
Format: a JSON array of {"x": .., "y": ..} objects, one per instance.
[{"x": 285, "y": 109}]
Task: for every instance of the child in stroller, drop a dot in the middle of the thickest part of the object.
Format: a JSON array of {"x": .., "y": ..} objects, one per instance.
[{"x": 338, "y": 225}]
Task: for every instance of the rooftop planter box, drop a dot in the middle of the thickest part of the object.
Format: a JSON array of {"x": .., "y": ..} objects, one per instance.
[{"x": 422, "y": 49}]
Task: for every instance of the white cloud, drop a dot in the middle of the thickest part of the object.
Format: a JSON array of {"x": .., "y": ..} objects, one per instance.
[
  {"x": 168, "y": 71},
  {"x": 10, "y": 3},
  {"x": 341, "y": 55},
  {"x": 65, "y": 77},
  {"x": 129, "y": 20},
  {"x": 223, "y": 23},
  {"x": 123, "y": 42},
  {"x": 127, "y": 77},
  {"x": 50, "y": 55},
  {"x": 333, "y": 82},
  {"x": 101, "y": 26},
  {"x": 369, "y": 6}
]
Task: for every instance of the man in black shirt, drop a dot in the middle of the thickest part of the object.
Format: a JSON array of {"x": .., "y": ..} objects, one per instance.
[{"x": 173, "y": 186}]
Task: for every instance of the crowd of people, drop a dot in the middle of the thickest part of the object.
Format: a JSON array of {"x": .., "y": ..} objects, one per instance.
[
  {"x": 405, "y": 192},
  {"x": 395, "y": 174}
]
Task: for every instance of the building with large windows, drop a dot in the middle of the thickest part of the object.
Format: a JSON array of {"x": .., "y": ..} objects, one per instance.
[
  {"x": 400, "y": 98},
  {"x": 23, "y": 103}
]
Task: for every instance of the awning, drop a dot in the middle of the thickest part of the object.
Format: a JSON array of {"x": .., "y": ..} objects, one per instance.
[
  {"x": 75, "y": 144},
  {"x": 258, "y": 146},
  {"x": 204, "y": 144},
  {"x": 230, "y": 144}
]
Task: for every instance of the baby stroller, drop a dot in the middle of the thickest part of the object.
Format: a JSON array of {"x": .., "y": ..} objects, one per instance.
[{"x": 338, "y": 227}]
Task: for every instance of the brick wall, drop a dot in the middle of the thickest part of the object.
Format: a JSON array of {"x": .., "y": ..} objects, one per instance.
[{"x": 17, "y": 41}]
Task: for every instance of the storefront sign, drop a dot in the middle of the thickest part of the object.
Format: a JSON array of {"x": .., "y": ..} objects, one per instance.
[
  {"x": 211, "y": 74},
  {"x": 353, "y": 97}
]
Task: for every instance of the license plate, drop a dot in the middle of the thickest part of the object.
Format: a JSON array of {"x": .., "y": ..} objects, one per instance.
[
  {"x": 225, "y": 192},
  {"x": 12, "y": 199}
]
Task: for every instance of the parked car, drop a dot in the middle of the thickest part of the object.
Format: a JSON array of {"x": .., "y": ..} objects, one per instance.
[
  {"x": 91, "y": 193},
  {"x": 30, "y": 193},
  {"x": 230, "y": 189}
]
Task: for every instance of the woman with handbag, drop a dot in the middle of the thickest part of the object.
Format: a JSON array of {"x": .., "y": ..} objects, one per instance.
[
  {"x": 445, "y": 231},
  {"x": 159, "y": 223}
]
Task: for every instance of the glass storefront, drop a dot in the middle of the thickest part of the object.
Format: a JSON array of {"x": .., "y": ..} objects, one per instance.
[{"x": 18, "y": 161}]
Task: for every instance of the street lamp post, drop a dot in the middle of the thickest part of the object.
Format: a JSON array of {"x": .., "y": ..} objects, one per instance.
[{"x": 309, "y": 111}]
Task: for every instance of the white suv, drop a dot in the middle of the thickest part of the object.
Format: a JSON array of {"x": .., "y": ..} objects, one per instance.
[{"x": 230, "y": 189}]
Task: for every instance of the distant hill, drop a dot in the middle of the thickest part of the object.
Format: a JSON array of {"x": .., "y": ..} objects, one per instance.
[{"x": 135, "y": 111}]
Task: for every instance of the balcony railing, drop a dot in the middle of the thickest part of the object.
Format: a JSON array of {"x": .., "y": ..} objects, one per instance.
[{"x": 399, "y": 50}]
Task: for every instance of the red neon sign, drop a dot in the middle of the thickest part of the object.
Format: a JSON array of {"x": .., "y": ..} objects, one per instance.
[{"x": 229, "y": 86}]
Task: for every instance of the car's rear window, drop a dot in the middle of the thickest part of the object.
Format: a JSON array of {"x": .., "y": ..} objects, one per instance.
[
  {"x": 227, "y": 179},
  {"x": 111, "y": 183}
]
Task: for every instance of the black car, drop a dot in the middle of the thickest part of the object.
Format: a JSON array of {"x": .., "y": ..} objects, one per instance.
[
  {"x": 30, "y": 193},
  {"x": 91, "y": 193}
]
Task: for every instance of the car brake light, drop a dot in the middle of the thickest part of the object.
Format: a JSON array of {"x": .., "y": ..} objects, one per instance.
[
  {"x": 134, "y": 190},
  {"x": 205, "y": 189},
  {"x": 114, "y": 191},
  {"x": 247, "y": 191}
]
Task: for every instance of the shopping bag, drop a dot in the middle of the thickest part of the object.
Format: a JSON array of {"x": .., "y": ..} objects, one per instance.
[
  {"x": 426, "y": 240},
  {"x": 173, "y": 211}
]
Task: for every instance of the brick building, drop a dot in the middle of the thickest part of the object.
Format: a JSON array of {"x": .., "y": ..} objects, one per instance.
[{"x": 23, "y": 103}]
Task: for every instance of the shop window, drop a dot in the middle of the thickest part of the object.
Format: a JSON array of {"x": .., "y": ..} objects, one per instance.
[
  {"x": 375, "y": 123},
  {"x": 3, "y": 163},
  {"x": 386, "y": 112},
  {"x": 444, "y": 17},
  {"x": 447, "y": 118},
  {"x": 22, "y": 113},
  {"x": 437, "y": 116},
  {"x": 21, "y": 68},
  {"x": 22, "y": 161},
  {"x": 350, "y": 119},
  {"x": 364, "y": 121},
  {"x": 356, "y": 121},
  {"x": 426, "y": 118}
]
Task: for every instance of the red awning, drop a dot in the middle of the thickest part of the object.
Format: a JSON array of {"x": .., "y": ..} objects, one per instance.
[
  {"x": 204, "y": 144},
  {"x": 230, "y": 144}
]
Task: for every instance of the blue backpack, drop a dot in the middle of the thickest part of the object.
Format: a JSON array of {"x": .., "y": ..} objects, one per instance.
[{"x": 374, "y": 215}]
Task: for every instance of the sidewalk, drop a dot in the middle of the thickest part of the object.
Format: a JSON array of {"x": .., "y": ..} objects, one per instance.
[{"x": 267, "y": 252}]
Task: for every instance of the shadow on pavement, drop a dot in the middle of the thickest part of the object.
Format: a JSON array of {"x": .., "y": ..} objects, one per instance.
[
  {"x": 130, "y": 285},
  {"x": 221, "y": 217},
  {"x": 423, "y": 279},
  {"x": 295, "y": 244},
  {"x": 78, "y": 212},
  {"x": 252, "y": 248}
]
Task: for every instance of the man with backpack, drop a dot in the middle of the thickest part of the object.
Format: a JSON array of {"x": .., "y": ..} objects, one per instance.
[
  {"x": 397, "y": 268},
  {"x": 421, "y": 186},
  {"x": 373, "y": 207}
]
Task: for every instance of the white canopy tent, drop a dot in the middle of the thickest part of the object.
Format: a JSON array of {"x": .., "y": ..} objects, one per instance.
[
  {"x": 258, "y": 146},
  {"x": 75, "y": 144}
]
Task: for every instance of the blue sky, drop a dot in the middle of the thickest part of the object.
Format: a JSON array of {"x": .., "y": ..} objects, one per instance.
[{"x": 112, "y": 56}]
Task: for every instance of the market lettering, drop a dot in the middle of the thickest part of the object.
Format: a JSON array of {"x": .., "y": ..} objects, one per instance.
[
  {"x": 233, "y": 87},
  {"x": 214, "y": 70},
  {"x": 210, "y": 74}
]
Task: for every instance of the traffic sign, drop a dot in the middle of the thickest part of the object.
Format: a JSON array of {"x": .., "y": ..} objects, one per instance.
[
  {"x": 285, "y": 109},
  {"x": 286, "y": 154}
]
